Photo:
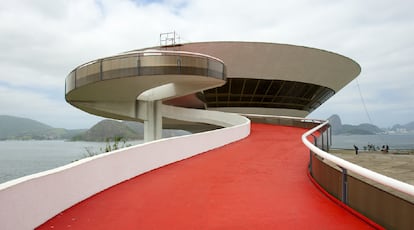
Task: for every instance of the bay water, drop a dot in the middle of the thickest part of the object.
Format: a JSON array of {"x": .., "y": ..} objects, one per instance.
[{"x": 20, "y": 158}]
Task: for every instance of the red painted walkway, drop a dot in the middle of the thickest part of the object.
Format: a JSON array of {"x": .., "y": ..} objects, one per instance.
[{"x": 258, "y": 183}]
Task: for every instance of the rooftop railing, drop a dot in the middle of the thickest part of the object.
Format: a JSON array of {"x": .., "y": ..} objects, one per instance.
[{"x": 150, "y": 62}]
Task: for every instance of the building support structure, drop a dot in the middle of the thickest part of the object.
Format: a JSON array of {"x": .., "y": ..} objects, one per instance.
[{"x": 152, "y": 120}]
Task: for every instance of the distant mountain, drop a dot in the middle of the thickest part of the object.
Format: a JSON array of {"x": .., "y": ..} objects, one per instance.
[
  {"x": 128, "y": 130},
  {"x": 339, "y": 128},
  {"x": 335, "y": 122},
  {"x": 139, "y": 127},
  {"x": 18, "y": 128},
  {"x": 110, "y": 129},
  {"x": 136, "y": 126},
  {"x": 407, "y": 128},
  {"x": 362, "y": 129}
]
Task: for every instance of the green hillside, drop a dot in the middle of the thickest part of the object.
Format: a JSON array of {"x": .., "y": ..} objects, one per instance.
[
  {"x": 18, "y": 128},
  {"x": 110, "y": 129}
]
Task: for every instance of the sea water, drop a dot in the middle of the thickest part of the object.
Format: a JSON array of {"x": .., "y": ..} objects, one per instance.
[
  {"x": 396, "y": 142},
  {"x": 21, "y": 158}
]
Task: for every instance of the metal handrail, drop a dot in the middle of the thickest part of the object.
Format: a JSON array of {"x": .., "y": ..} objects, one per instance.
[
  {"x": 377, "y": 177},
  {"x": 150, "y": 53},
  {"x": 300, "y": 119},
  {"x": 209, "y": 61}
]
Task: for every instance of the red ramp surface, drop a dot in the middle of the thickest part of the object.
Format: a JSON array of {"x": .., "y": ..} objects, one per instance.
[{"x": 257, "y": 183}]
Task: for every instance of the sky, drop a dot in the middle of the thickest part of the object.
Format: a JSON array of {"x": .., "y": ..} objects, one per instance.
[{"x": 41, "y": 41}]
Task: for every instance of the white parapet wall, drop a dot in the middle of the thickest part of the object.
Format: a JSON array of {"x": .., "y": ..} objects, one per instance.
[{"x": 27, "y": 202}]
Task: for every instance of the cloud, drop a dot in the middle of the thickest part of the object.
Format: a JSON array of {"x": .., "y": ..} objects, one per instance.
[
  {"x": 30, "y": 104},
  {"x": 42, "y": 42}
]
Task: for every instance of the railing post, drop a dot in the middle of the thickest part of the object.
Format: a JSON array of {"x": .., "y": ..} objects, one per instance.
[
  {"x": 310, "y": 162},
  {"x": 329, "y": 134},
  {"x": 315, "y": 140},
  {"x": 100, "y": 70},
  {"x": 139, "y": 65},
  {"x": 344, "y": 186},
  {"x": 323, "y": 140}
]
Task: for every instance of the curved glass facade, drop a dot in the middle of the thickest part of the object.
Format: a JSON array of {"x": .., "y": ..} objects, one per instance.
[{"x": 245, "y": 92}]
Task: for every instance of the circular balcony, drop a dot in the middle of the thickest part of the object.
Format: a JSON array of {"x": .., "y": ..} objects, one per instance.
[{"x": 111, "y": 86}]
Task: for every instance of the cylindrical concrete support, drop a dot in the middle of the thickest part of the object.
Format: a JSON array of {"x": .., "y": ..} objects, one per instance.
[{"x": 153, "y": 123}]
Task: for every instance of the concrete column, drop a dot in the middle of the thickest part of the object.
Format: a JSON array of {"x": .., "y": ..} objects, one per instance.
[{"x": 153, "y": 121}]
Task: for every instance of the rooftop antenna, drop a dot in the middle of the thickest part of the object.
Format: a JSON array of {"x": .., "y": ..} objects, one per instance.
[{"x": 169, "y": 39}]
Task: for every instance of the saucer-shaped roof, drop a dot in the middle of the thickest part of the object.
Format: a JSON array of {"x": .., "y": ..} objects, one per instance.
[
  {"x": 269, "y": 78},
  {"x": 243, "y": 77}
]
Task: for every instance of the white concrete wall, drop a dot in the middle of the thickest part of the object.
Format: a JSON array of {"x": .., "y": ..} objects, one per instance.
[{"x": 27, "y": 202}]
